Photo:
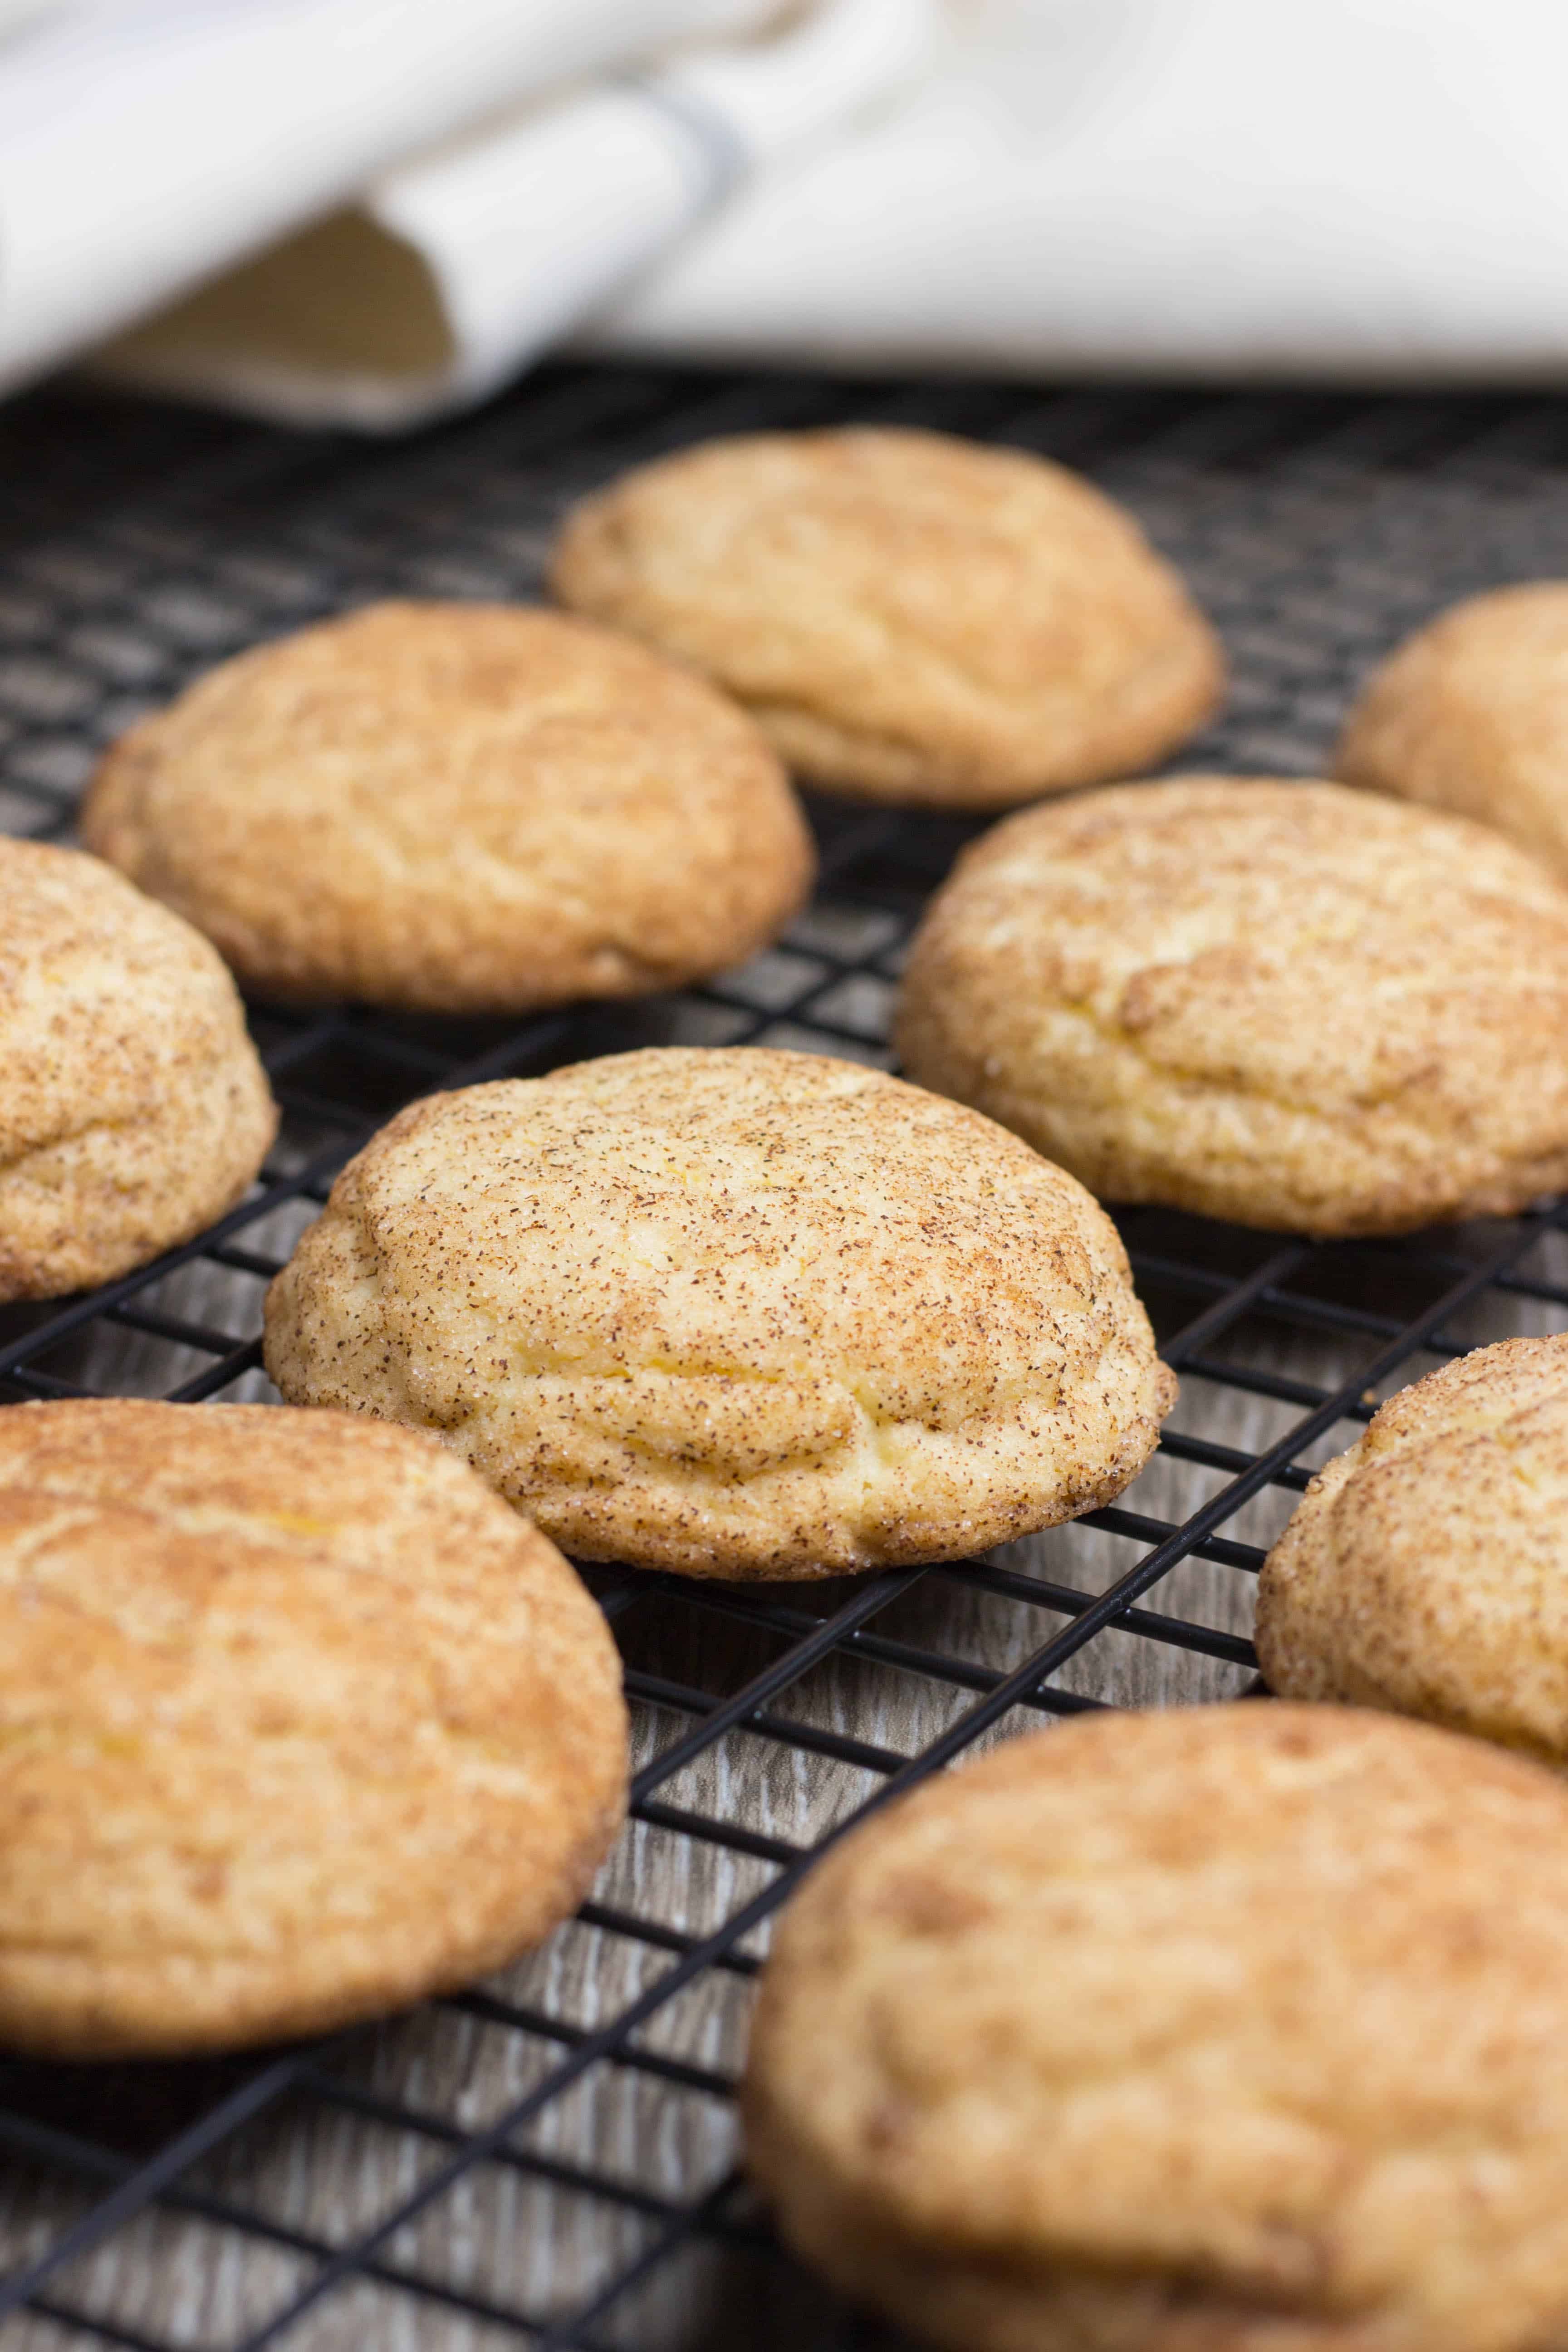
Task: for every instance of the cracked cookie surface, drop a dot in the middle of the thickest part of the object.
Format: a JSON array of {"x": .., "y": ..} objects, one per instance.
[
  {"x": 1424, "y": 1569},
  {"x": 1471, "y": 714},
  {"x": 910, "y": 616},
  {"x": 1291, "y": 1004},
  {"x": 297, "y": 1723},
  {"x": 462, "y": 808},
  {"x": 733, "y": 1312},
  {"x": 134, "y": 1109},
  {"x": 1232, "y": 2029}
]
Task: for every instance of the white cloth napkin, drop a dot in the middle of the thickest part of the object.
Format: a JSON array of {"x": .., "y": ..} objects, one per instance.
[
  {"x": 1354, "y": 191},
  {"x": 1359, "y": 191},
  {"x": 146, "y": 143},
  {"x": 13, "y": 12},
  {"x": 447, "y": 277}
]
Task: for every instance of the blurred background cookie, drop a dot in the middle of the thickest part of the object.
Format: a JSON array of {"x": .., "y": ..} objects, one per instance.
[
  {"x": 1235, "y": 2027},
  {"x": 473, "y": 808},
  {"x": 909, "y": 617},
  {"x": 133, "y": 1107},
  {"x": 1289, "y": 1005},
  {"x": 1427, "y": 1569},
  {"x": 1471, "y": 713},
  {"x": 731, "y": 1312},
  {"x": 297, "y": 1723}
]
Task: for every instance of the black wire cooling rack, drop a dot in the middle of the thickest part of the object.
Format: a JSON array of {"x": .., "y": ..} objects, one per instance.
[{"x": 550, "y": 2158}]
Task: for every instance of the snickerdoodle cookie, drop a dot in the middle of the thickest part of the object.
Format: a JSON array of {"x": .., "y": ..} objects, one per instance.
[
  {"x": 1471, "y": 713},
  {"x": 1427, "y": 1569},
  {"x": 1232, "y": 2029},
  {"x": 465, "y": 808},
  {"x": 731, "y": 1312},
  {"x": 297, "y": 1723},
  {"x": 1292, "y": 1005},
  {"x": 133, "y": 1107},
  {"x": 909, "y": 618}
]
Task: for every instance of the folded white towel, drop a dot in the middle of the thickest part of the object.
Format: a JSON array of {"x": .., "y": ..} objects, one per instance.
[
  {"x": 449, "y": 275},
  {"x": 13, "y": 12},
  {"x": 146, "y": 143},
  {"x": 1359, "y": 191}
]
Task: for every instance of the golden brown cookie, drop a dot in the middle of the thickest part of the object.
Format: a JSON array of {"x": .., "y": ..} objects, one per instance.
[
  {"x": 1289, "y": 1005},
  {"x": 731, "y": 1312},
  {"x": 133, "y": 1107},
  {"x": 1235, "y": 2029},
  {"x": 1471, "y": 714},
  {"x": 459, "y": 808},
  {"x": 297, "y": 1723},
  {"x": 1425, "y": 1569},
  {"x": 908, "y": 616}
]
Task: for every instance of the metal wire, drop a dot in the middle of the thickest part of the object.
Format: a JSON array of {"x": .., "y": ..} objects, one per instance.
[{"x": 143, "y": 544}]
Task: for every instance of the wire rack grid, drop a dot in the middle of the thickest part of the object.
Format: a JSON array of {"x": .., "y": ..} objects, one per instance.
[{"x": 551, "y": 2158}]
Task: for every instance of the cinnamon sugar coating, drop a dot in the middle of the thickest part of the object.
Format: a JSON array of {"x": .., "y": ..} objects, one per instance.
[
  {"x": 1425, "y": 1568},
  {"x": 733, "y": 1312},
  {"x": 909, "y": 617},
  {"x": 1471, "y": 714},
  {"x": 457, "y": 808},
  {"x": 134, "y": 1109},
  {"x": 1227, "y": 2029},
  {"x": 297, "y": 1723},
  {"x": 1289, "y": 1005}
]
